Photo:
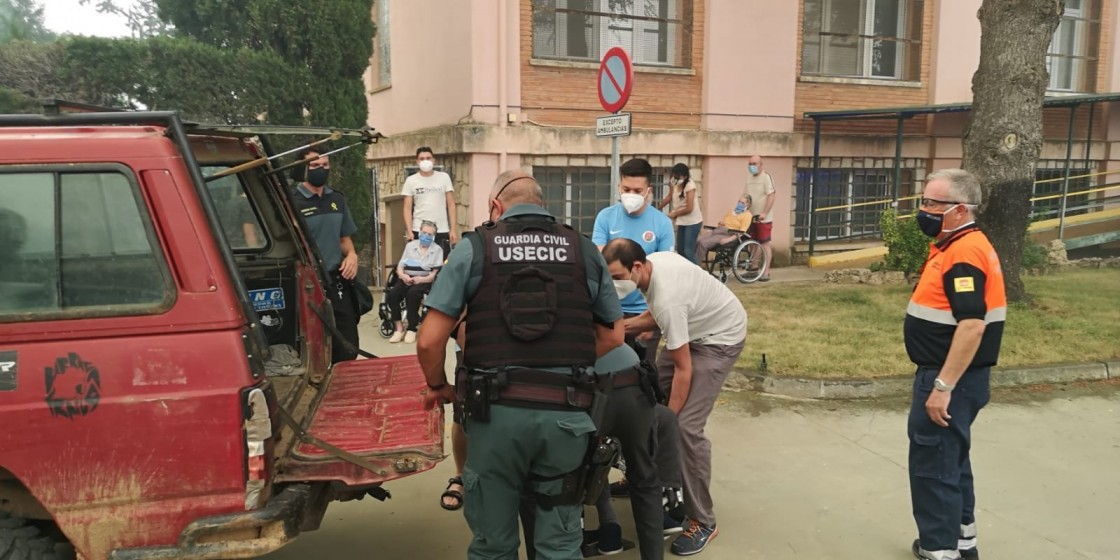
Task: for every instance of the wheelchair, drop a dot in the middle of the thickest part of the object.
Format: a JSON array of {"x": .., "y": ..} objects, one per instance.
[
  {"x": 736, "y": 257},
  {"x": 385, "y": 313}
]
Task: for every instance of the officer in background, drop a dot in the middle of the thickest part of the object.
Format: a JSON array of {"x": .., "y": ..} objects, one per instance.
[
  {"x": 330, "y": 227},
  {"x": 953, "y": 329},
  {"x": 540, "y": 308}
]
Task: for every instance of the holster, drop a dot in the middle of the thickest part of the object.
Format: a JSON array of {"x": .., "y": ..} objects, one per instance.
[
  {"x": 650, "y": 385},
  {"x": 586, "y": 483},
  {"x": 478, "y": 393}
]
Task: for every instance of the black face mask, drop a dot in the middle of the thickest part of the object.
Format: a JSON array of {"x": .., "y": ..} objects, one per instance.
[
  {"x": 930, "y": 224},
  {"x": 318, "y": 177}
]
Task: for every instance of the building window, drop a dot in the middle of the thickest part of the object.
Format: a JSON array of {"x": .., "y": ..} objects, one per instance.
[
  {"x": 1072, "y": 58},
  {"x": 878, "y": 39},
  {"x": 1052, "y": 174},
  {"x": 653, "y": 32},
  {"x": 575, "y": 195},
  {"x": 77, "y": 242},
  {"x": 849, "y": 201}
]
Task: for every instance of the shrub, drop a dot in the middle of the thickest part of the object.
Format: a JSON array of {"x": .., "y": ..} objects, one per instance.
[
  {"x": 1034, "y": 255},
  {"x": 907, "y": 246}
]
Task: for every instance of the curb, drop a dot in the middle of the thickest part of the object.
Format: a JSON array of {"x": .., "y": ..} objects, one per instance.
[{"x": 827, "y": 389}]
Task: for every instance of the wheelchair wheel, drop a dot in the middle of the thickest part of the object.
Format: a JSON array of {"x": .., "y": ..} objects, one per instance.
[
  {"x": 747, "y": 252},
  {"x": 386, "y": 329}
]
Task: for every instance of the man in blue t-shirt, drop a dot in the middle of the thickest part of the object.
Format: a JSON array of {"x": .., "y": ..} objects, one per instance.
[{"x": 635, "y": 219}]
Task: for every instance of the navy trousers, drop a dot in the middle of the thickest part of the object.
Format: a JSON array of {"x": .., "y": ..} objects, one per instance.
[{"x": 941, "y": 483}]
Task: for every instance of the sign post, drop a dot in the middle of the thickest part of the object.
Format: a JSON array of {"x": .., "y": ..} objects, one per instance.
[{"x": 616, "y": 81}]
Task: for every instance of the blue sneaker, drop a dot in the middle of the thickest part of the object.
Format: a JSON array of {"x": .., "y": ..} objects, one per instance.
[{"x": 694, "y": 539}]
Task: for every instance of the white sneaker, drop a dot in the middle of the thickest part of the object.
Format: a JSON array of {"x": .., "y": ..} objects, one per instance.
[
  {"x": 397, "y": 337},
  {"x": 410, "y": 337}
]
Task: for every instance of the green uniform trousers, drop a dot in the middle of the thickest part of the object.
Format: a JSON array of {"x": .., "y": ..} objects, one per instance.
[{"x": 502, "y": 455}]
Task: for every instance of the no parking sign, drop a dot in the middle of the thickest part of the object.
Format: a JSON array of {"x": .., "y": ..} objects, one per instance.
[{"x": 616, "y": 79}]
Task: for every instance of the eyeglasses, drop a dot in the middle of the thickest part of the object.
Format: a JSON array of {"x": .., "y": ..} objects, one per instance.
[{"x": 934, "y": 202}]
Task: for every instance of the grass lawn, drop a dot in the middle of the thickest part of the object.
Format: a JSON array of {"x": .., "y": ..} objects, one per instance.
[{"x": 835, "y": 331}]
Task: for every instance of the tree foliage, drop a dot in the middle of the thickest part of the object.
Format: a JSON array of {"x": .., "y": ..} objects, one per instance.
[
  {"x": 22, "y": 20},
  {"x": 142, "y": 16},
  {"x": 205, "y": 83},
  {"x": 32, "y": 69},
  {"x": 13, "y": 102},
  {"x": 332, "y": 41},
  {"x": 1004, "y": 136}
]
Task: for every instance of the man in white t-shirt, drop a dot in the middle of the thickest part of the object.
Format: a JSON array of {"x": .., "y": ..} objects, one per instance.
[
  {"x": 704, "y": 326},
  {"x": 430, "y": 196},
  {"x": 760, "y": 187}
]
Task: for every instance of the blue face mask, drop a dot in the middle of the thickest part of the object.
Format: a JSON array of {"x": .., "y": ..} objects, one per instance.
[
  {"x": 739, "y": 208},
  {"x": 426, "y": 239},
  {"x": 753, "y": 169}
]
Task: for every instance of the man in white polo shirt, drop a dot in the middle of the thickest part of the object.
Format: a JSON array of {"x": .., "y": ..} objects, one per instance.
[{"x": 704, "y": 326}]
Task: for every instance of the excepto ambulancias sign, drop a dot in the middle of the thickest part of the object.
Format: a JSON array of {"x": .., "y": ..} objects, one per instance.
[{"x": 613, "y": 125}]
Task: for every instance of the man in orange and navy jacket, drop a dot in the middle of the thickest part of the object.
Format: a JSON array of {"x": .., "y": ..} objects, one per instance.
[{"x": 954, "y": 324}]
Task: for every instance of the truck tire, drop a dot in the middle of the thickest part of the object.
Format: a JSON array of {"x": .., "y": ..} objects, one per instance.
[{"x": 23, "y": 539}]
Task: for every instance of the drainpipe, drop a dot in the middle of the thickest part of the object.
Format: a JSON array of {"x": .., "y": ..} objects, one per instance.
[
  {"x": 503, "y": 119},
  {"x": 1065, "y": 179}
]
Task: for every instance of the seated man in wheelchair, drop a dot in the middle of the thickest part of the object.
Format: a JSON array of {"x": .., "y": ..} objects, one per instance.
[
  {"x": 729, "y": 228},
  {"x": 415, "y": 273}
]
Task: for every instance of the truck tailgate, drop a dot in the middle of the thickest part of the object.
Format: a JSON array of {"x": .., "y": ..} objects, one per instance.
[{"x": 372, "y": 410}]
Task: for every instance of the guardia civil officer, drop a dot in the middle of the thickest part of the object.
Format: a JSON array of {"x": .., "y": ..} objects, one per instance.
[
  {"x": 540, "y": 308},
  {"x": 954, "y": 325}
]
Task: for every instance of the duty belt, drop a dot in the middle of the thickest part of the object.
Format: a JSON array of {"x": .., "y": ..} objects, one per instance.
[
  {"x": 553, "y": 390},
  {"x": 566, "y": 397},
  {"x": 627, "y": 378}
]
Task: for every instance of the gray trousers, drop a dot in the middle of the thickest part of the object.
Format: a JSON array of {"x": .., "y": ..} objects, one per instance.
[{"x": 710, "y": 365}]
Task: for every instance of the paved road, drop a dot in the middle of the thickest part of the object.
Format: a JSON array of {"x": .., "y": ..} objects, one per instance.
[{"x": 797, "y": 480}]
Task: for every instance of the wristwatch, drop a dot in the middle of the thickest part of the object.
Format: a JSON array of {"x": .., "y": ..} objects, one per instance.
[{"x": 943, "y": 386}]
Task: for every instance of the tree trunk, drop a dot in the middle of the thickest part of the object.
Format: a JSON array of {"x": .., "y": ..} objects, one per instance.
[{"x": 1004, "y": 136}]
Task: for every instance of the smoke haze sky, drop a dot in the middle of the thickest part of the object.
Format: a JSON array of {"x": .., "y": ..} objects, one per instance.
[{"x": 69, "y": 16}]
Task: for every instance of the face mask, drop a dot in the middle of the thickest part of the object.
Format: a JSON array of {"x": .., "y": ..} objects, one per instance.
[
  {"x": 674, "y": 182},
  {"x": 426, "y": 239},
  {"x": 632, "y": 202},
  {"x": 318, "y": 176},
  {"x": 931, "y": 224},
  {"x": 753, "y": 169},
  {"x": 427, "y": 165},
  {"x": 739, "y": 208},
  {"x": 624, "y": 288}
]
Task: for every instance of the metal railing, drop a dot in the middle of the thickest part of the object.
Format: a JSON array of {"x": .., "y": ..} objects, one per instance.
[{"x": 820, "y": 217}]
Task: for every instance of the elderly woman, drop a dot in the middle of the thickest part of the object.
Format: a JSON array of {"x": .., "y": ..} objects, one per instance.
[
  {"x": 739, "y": 219},
  {"x": 417, "y": 270}
]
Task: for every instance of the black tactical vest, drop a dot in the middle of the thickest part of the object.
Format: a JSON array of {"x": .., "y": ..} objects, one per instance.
[{"x": 533, "y": 307}]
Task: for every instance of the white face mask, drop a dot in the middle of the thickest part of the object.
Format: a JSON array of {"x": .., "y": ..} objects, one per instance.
[
  {"x": 632, "y": 202},
  {"x": 624, "y": 288},
  {"x": 427, "y": 165}
]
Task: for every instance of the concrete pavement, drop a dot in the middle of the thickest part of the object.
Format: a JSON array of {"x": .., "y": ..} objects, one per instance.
[{"x": 808, "y": 479}]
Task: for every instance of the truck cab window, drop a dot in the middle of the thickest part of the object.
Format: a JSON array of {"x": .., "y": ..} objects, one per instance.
[
  {"x": 236, "y": 212},
  {"x": 76, "y": 241}
]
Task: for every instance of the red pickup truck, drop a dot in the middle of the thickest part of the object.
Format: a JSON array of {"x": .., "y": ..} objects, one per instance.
[{"x": 165, "y": 380}]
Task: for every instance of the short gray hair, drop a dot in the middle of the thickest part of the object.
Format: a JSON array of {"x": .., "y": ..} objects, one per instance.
[
  {"x": 963, "y": 186},
  {"x": 427, "y": 223}
]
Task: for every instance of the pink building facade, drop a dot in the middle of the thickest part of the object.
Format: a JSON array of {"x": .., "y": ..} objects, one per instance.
[{"x": 497, "y": 84}]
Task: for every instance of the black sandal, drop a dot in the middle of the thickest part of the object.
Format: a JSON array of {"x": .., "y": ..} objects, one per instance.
[{"x": 453, "y": 494}]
